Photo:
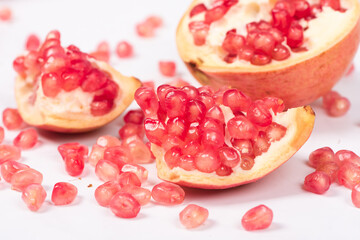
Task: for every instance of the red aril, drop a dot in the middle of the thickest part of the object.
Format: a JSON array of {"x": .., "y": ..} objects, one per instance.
[
  {"x": 74, "y": 164},
  {"x": 198, "y": 9},
  {"x": 344, "y": 156},
  {"x": 275, "y": 132},
  {"x": 137, "y": 149},
  {"x": 108, "y": 141},
  {"x": 229, "y": 156},
  {"x": 215, "y": 13},
  {"x": 74, "y": 147},
  {"x": 32, "y": 42},
  {"x": 9, "y": 153},
  {"x": 63, "y": 193},
  {"x": 105, "y": 192},
  {"x": 280, "y": 52},
  {"x": 154, "y": 21},
  {"x": 131, "y": 129},
  {"x": 287, "y": 6},
  {"x": 187, "y": 162},
  {"x": 207, "y": 161},
  {"x": 259, "y": 113},
  {"x": 134, "y": 116},
  {"x": 147, "y": 100},
  {"x": 168, "y": 193},
  {"x": 338, "y": 107},
  {"x": 321, "y": 156},
  {"x": 9, "y": 168},
  {"x": 330, "y": 168},
  {"x": 199, "y": 31},
  {"x": 145, "y": 29},
  {"x": 106, "y": 170},
  {"x": 334, "y": 4},
  {"x": 124, "y": 205},
  {"x": 317, "y": 182},
  {"x": 244, "y": 146},
  {"x": 233, "y": 42},
  {"x": 24, "y": 177},
  {"x": 51, "y": 84},
  {"x": 176, "y": 126},
  {"x": 5, "y": 14},
  {"x": 140, "y": 171},
  {"x": 172, "y": 157},
  {"x": 26, "y": 139},
  {"x": 193, "y": 216},
  {"x": 195, "y": 111},
  {"x": 302, "y": 9},
  {"x": 128, "y": 178},
  {"x": 257, "y": 218},
  {"x": 241, "y": 128},
  {"x": 142, "y": 195},
  {"x": 96, "y": 154},
  {"x": 34, "y": 196},
  {"x": 155, "y": 131},
  {"x": 281, "y": 19},
  {"x": 355, "y": 195},
  {"x": 349, "y": 175},
  {"x": 124, "y": 49},
  {"x": 118, "y": 155},
  {"x": 12, "y": 119},
  {"x": 236, "y": 100},
  {"x": 167, "y": 68}
]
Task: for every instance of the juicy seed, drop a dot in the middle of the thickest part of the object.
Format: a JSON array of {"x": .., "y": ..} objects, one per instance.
[
  {"x": 108, "y": 141},
  {"x": 105, "y": 192},
  {"x": 187, "y": 162},
  {"x": 142, "y": 195},
  {"x": 69, "y": 148},
  {"x": 134, "y": 116},
  {"x": 257, "y": 218},
  {"x": 97, "y": 153},
  {"x": 74, "y": 164},
  {"x": 137, "y": 149},
  {"x": 5, "y": 14},
  {"x": 155, "y": 131},
  {"x": 320, "y": 156},
  {"x": 172, "y": 157},
  {"x": 193, "y": 216},
  {"x": 140, "y": 171},
  {"x": 168, "y": 193},
  {"x": 118, "y": 155},
  {"x": 26, "y": 139},
  {"x": 124, "y": 205},
  {"x": 349, "y": 175},
  {"x": 167, "y": 68},
  {"x": 147, "y": 100},
  {"x": 344, "y": 156},
  {"x": 338, "y": 107},
  {"x": 233, "y": 42},
  {"x": 330, "y": 168},
  {"x": 154, "y": 21},
  {"x": 124, "y": 49},
  {"x": 198, "y": 9},
  {"x": 259, "y": 114},
  {"x": 9, "y": 168},
  {"x": 199, "y": 31},
  {"x": 355, "y": 195},
  {"x": 247, "y": 162},
  {"x": 9, "y": 153},
  {"x": 32, "y": 43},
  {"x": 12, "y": 119},
  {"x": 241, "y": 128},
  {"x": 23, "y": 178},
  {"x": 229, "y": 157},
  {"x": 128, "y": 178},
  {"x": 236, "y": 100},
  {"x": 51, "y": 85},
  {"x": 63, "y": 193},
  {"x": 175, "y": 103},
  {"x": 317, "y": 182},
  {"x": 207, "y": 161},
  {"x": 275, "y": 132},
  {"x": 106, "y": 170},
  {"x": 34, "y": 196}
]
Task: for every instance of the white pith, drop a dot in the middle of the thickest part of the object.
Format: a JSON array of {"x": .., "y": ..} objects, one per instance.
[{"x": 331, "y": 24}]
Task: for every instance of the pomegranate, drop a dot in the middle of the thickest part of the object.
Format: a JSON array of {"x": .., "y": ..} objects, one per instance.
[
  {"x": 200, "y": 143},
  {"x": 192, "y": 216},
  {"x": 257, "y": 218},
  {"x": 50, "y": 77},
  {"x": 275, "y": 48},
  {"x": 32, "y": 43}
]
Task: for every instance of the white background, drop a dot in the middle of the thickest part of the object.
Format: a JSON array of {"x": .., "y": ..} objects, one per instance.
[{"x": 297, "y": 214}]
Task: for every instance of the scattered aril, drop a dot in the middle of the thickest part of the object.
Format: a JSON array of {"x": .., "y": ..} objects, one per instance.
[
  {"x": 167, "y": 68},
  {"x": 134, "y": 116},
  {"x": 344, "y": 156},
  {"x": 147, "y": 27},
  {"x": 9, "y": 168},
  {"x": 320, "y": 156},
  {"x": 128, "y": 178},
  {"x": 131, "y": 129},
  {"x": 34, "y": 196},
  {"x": 317, "y": 182},
  {"x": 108, "y": 141},
  {"x": 330, "y": 168},
  {"x": 12, "y": 119},
  {"x": 168, "y": 193},
  {"x": 24, "y": 177},
  {"x": 138, "y": 150},
  {"x": 154, "y": 21},
  {"x": 9, "y": 153},
  {"x": 349, "y": 175},
  {"x": 257, "y": 218},
  {"x": 124, "y": 205},
  {"x": 140, "y": 171},
  {"x": 26, "y": 139},
  {"x": 106, "y": 170},
  {"x": 124, "y": 49},
  {"x": 142, "y": 195},
  {"x": 102, "y": 52},
  {"x": 193, "y": 216},
  {"x": 63, "y": 193},
  {"x": 355, "y": 195},
  {"x": 5, "y": 13},
  {"x": 105, "y": 192},
  {"x": 73, "y": 148},
  {"x": 32, "y": 43},
  {"x": 335, "y": 105},
  {"x": 74, "y": 164},
  {"x": 2, "y": 134}
]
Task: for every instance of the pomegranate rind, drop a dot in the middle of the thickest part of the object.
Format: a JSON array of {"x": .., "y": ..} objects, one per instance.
[
  {"x": 76, "y": 122},
  {"x": 300, "y": 122},
  {"x": 298, "y": 81}
]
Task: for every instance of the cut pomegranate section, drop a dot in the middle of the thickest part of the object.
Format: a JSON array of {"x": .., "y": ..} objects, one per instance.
[
  {"x": 257, "y": 218},
  {"x": 223, "y": 146},
  {"x": 193, "y": 216},
  {"x": 50, "y": 77}
]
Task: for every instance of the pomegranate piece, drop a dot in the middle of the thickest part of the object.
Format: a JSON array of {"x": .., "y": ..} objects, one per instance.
[
  {"x": 108, "y": 141},
  {"x": 12, "y": 119},
  {"x": 317, "y": 182},
  {"x": 198, "y": 9},
  {"x": 137, "y": 149},
  {"x": 5, "y": 14},
  {"x": 349, "y": 175},
  {"x": 124, "y": 205},
  {"x": 34, "y": 196},
  {"x": 140, "y": 171},
  {"x": 106, "y": 170},
  {"x": 355, "y": 195},
  {"x": 154, "y": 21},
  {"x": 118, "y": 155},
  {"x": 97, "y": 153},
  {"x": 51, "y": 84},
  {"x": 128, "y": 178},
  {"x": 105, "y": 192},
  {"x": 193, "y": 216},
  {"x": 167, "y": 68},
  {"x": 168, "y": 193},
  {"x": 63, "y": 193},
  {"x": 74, "y": 164},
  {"x": 147, "y": 100},
  {"x": 257, "y": 218},
  {"x": 134, "y": 116},
  {"x": 32, "y": 43},
  {"x": 335, "y": 105},
  {"x": 344, "y": 156},
  {"x": 24, "y": 177},
  {"x": 241, "y": 128},
  {"x": 199, "y": 31},
  {"x": 233, "y": 42},
  {"x": 9, "y": 153},
  {"x": 330, "y": 168},
  {"x": 26, "y": 139},
  {"x": 207, "y": 161},
  {"x": 70, "y": 148},
  {"x": 320, "y": 156},
  {"x": 131, "y": 129},
  {"x": 124, "y": 49},
  {"x": 9, "y": 168},
  {"x": 142, "y": 195}
]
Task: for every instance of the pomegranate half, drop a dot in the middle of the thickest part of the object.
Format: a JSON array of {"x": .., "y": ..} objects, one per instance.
[
  {"x": 65, "y": 90},
  {"x": 292, "y": 49}
]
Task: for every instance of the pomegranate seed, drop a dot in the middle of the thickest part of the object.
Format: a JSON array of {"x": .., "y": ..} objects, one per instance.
[
  {"x": 167, "y": 68},
  {"x": 26, "y": 139},
  {"x": 155, "y": 131},
  {"x": 243, "y": 146},
  {"x": 329, "y": 98},
  {"x": 9, "y": 153},
  {"x": 131, "y": 129},
  {"x": 344, "y": 156},
  {"x": 215, "y": 13},
  {"x": 257, "y": 218},
  {"x": 261, "y": 144},
  {"x": 34, "y": 196},
  {"x": 355, "y": 195},
  {"x": 71, "y": 79},
  {"x": 93, "y": 81},
  {"x": 63, "y": 193},
  {"x": 12, "y": 119},
  {"x": 19, "y": 66},
  {"x": 224, "y": 171},
  {"x": 315, "y": 9},
  {"x": 171, "y": 141},
  {"x": 275, "y": 132},
  {"x": 108, "y": 141},
  {"x": 195, "y": 111},
  {"x": 349, "y": 175},
  {"x": 187, "y": 162},
  {"x": 330, "y": 168},
  {"x": 295, "y": 36},
  {"x": 134, "y": 116},
  {"x": 101, "y": 107},
  {"x": 191, "y": 92},
  {"x": 124, "y": 205},
  {"x": 106, "y": 170},
  {"x": 247, "y": 162},
  {"x": 320, "y": 156},
  {"x": 260, "y": 59},
  {"x": 124, "y": 49},
  {"x": 263, "y": 42},
  {"x": 233, "y": 42},
  {"x": 154, "y": 21},
  {"x": 140, "y": 171},
  {"x": 69, "y": 148},
  {"x": 162, "y": 91},
  {"x": 193, "y": 216},
  {"x": 5, "y": 14},
  {"x": 128, "y": 178},
  {"x": 236, "y": 100},
  {"x": 317, "y": 182},
  {"x": 138, "y": 150},
  {"x": 175, "y": 103},
  {"x": 97, "y": 153},
  {"x": 302, "y": 9},
  {"x": 198, "y": 9},
  {"x": 74, "y": 164},
  {"x": 147, "y": 100},
  {"x": 280, "y": 52},
  {"x": 32, "y": 43},
  {"x": 23, "y": 178},
  {"x": 9, "y": 168},
  {"x": 145, "y": 29},
  {"x": 51, "y": 85},
  {"x": 281, "y": 19},
  {"x": 207, "y": 161},
  {"x": 2, "y": 134},
  {"x": 338, "y": 107},
  {"x": 199, "y": 31},
  {"x": 229, "y": 157},
  {"x": 207, "y": 100},
  {"x": 193, "y": 132},
  {"x": 247, "y": 53},
  {"x": 172, "y": 157},
  {"x": 142, "y": 195},
  {"x": 259, "y": 113},
  {"x": 287, "y": 6},
  {"x": 105, "y": 192},
  {"x": 212, "y": 138},
  {"x": 241, "y": 128},
  {"x": 168, "y": 193},
  {"x": 118, "y": 155},
  {"x": 334, "y": 4},
  {"x": 176, "y": 126},
  {"x": 54, "y": 34},
  {"x": 275, "y": 104}
]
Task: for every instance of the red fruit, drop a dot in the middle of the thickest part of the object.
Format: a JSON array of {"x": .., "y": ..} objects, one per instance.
[
  {"x": 9, "y": 153},
  {"x": 195, "y": 111},
  {"x": 275, "y": 132},
  {"x": 147, "y": 100},
  {"x": 63, "y": 193},
  {"x": 12, "y": 119},
  {"x": 134, "y": 116},
  {"x": 286, "y": 5},
  {"x": 9, "y": 168},
  {"x": 281, "y": 19},
  {"x": 34, "y": 196},
  {"x": 142, "y": 195},
  {"x": 261, "y": 144},
  {"x": 124, "y": 49},
  {"x": 275, "y": 104},
  {"x": 23, "y": 178},
  {"x": 349, "y": 175},
  {"x": 257, "y": 218},
  {"x": 176, "y": 103},
  {"x": 154, "y": 21},
  {"x": 259, "y": 113},
  {"x": 140, "y": 171},
  {"x": 213, "y": 138},
  {"x": 344, "y": 156},
  {"x": 330, "y": 168},
  {"x": 198, "y": 9},
  {"x": 192, "y": 216},
  {"x": 317, "y": 182},
  {"x": 137, "y": 149},
  {"x": 74, "y": 164},
  {"x": 236, "y": 100},
  {"x": 167, "y": 68},
  {"x": 191, "y": 91},
  {"x": 69, "y": 148},
  {"x": 233, "y": 42},
  {"x": 51, "y": 84},
  {"x": 280, "y": 52},
  {"x": 302, "y": 9},
  {"x": 244, "y": 146},
  {"x": 97, "y": 153},
  {"x": 199, "y": 31},
  {"x": 207, "y": 161},
  {"x": 241, "y": 128},
  {"x": 338, "y": 107},
  {"x": 215, "y": 113},
  {"x": 172, "y": 157},
  {"x": 355, "y": 196},
  {"x": 93, "y": 81},
  {"x": 5, "y": 14},
  {"x": 155, "y": 131},
  {"x": 224, "y": 171},
  {"x": 260, "y": 59},
  {"x": 124, "y": 205},
  {"x": 263, "y": 42},
  {"x": 187, "y": 162},
  {"x": 118, "y": 155},
  {"x": 131, "y": 129},
  {"x": 26, "y": 139},
  {"x": 105, "y": 192},
  {"x": 229, "y": 157},
  {"x": 176, "y": 126},
  {"x": 321, "y": 156},
  {"x": 32, "y": 43},
  {"x": 295, "y": 36},
  {"x": 106, "y": 170},
  {"x": 168, "y": 193},
  {"x": 145, "y": 29},
  {"x": 108, "y": 141},
  {"x": 215, "y": 13},
  {"x": 128, "y": 178}
]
